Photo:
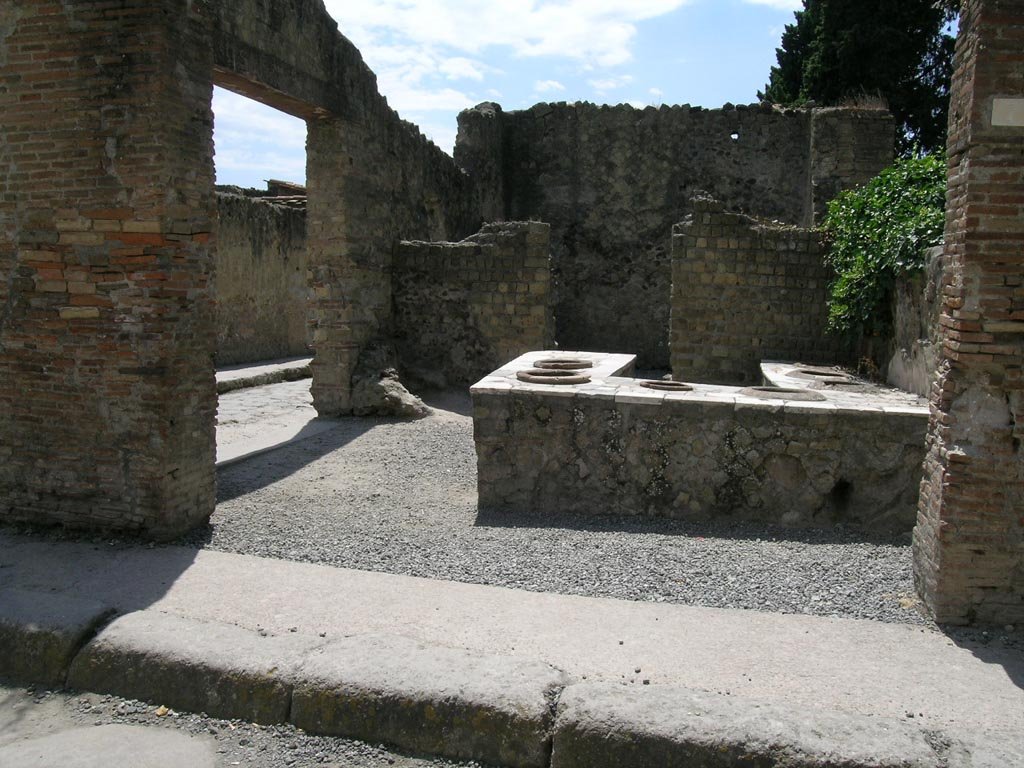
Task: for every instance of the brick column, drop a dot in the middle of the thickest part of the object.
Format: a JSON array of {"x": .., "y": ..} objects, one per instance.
[
  {"x": 107, "y": 396},
  {"x": 969, "y": 539}
]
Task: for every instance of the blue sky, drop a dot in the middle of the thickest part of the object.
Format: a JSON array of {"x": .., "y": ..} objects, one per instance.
[{"x": 434, "y": 58}]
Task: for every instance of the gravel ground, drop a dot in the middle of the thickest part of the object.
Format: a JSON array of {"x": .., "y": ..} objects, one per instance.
[
  {"x": 27, "y": 713},
  {"x": 400, "y": 497}
]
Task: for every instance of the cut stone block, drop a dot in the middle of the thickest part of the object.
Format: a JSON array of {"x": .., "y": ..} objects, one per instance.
[
  {"x": 429, "y": 699},
  {"x": 40, "y": 633},
  {"x": 112, "y": 745},
  {"x": 604, "y": 724},
  {"x": 198, "y": 666}
]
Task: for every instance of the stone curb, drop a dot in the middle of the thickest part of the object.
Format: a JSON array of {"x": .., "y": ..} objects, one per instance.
[
  {"x": 446, "y": 702},
  {"x": 261, "y": 379},
  {"x": 199, "y": 666},
  {"x": 607, "y": 724},
  {"x": 40, "y": 633},
  {"x": 425, "y": 699},
  {"x": 430, "y": 700}
]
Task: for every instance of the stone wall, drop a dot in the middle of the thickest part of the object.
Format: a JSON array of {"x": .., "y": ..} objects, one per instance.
[
  {"x": 107, "y": 395},
  {"x": 714, "y": 453},
  {"x": 969, "y": 540},
  {"x": 613, "y": 180},
  {"x": 913, "y": 357},
  {"x": 261, "y": 281},
  {"x": 107, "y": 335},
  {"x": 461, "y": 309},
  {"x": 744, "y": 291},
  {"x": 372, "y": 178}
]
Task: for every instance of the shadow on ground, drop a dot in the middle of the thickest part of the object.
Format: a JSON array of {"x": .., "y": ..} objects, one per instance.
[
  {"x": 993, "y": 645},
  {"x": 736, "y": 530}
]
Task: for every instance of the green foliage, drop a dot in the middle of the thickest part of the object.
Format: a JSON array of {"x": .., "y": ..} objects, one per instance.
[
  {"x": 839, "y": 51},
  {"x": 877, "y": 233}
]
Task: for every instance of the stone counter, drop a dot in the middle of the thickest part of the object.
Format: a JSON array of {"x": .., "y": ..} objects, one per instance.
[{"x": 612, "y": 446}]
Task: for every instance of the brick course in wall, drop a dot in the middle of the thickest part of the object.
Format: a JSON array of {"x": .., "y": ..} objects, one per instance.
[
  {"x": 744, "y": 291},
  {"x": 613, "y": 180},
  {"x": 462, "y": 309},
  {"x": 106, "y": 310},
  {"x": 969, "y": 539}
]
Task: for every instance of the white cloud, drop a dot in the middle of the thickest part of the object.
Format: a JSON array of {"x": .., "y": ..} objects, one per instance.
[
  {"x": 255, "y": 142},
  {"x": 593, "y": 31},
  {"x": 604, "y": 85},
  {"x": 779, "y": 5},
  {"x": 240, "y": 115},
  {"x": 547, "y": 86},
  {"x": 656, "y": 92},
  {"x": 460, "y": 68}
]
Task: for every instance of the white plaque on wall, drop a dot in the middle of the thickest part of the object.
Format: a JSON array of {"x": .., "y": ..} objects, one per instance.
[{"x": 1008, "y": 112}]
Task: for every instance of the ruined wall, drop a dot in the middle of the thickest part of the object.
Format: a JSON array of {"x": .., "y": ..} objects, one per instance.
[
  {"x": 916, "y": 301},
  {"x": 969, "y": 540},
  {"x": 745, "y": 291},
  {"x": 261, "y": 281},
  {"x": 463, "y": 309},
  {"x": 372, "y": 178},
  {"x": 613, "y": 180},
  {"x": 107, "y": 393}
]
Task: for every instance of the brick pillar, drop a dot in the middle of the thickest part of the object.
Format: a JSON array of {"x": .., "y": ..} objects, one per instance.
[
  {"x": 107, "y": 396},
  {"x": 969, "y": 539},
  {"x": 350, "y": 235}
]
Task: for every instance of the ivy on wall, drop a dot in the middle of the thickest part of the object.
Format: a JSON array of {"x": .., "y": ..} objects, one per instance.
[{"x": 878, "y": 233}]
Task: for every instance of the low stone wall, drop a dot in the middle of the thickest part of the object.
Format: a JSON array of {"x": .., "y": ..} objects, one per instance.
[
  {"x": 743, "y": 291},
  {"x": 612, "y": 446},
  {"x": 461, "y": 309},
  {"x": 261, "y": 281}
]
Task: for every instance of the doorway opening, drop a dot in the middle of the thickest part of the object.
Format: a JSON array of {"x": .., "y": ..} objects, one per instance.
[{"x": 261, "y": 281}]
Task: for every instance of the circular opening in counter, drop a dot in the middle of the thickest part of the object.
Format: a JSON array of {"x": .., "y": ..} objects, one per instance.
[
  {"x": 782, "y": 393},
  {"x": 563, "y": 364},
  {"x": 542, "y": 376},
  {"x": 823, "y": 375},
  {"x": 665, "y": 385}
]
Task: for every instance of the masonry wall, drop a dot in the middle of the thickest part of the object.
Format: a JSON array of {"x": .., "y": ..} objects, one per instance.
[
  {"x": 745, "y": 291},
  {"x": 106, "y": 309},
  {"x": 463, "y": 309},
  {"x": 914, "y": 354},
  {"x": 261, "y": 281},
  {"x": 613, "y": 180},
  {"x": 614, "y": 448},
  {"x": 372, "y": 179},
  {"x": 969, "y": 539}
]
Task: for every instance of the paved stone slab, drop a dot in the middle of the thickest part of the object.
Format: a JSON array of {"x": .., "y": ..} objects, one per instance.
[
  {"x": 40, "y": 632},
  {"x": 200, "y": 666},
  {"x": 247, "y": 375},
  {"x": 606, "y": 724},
  {"x": 806, "y": 662},
  {"x": 429, "y": 699},
  {"x": 111, "y": 746},
  {"x": 1000, "y": 749}
]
